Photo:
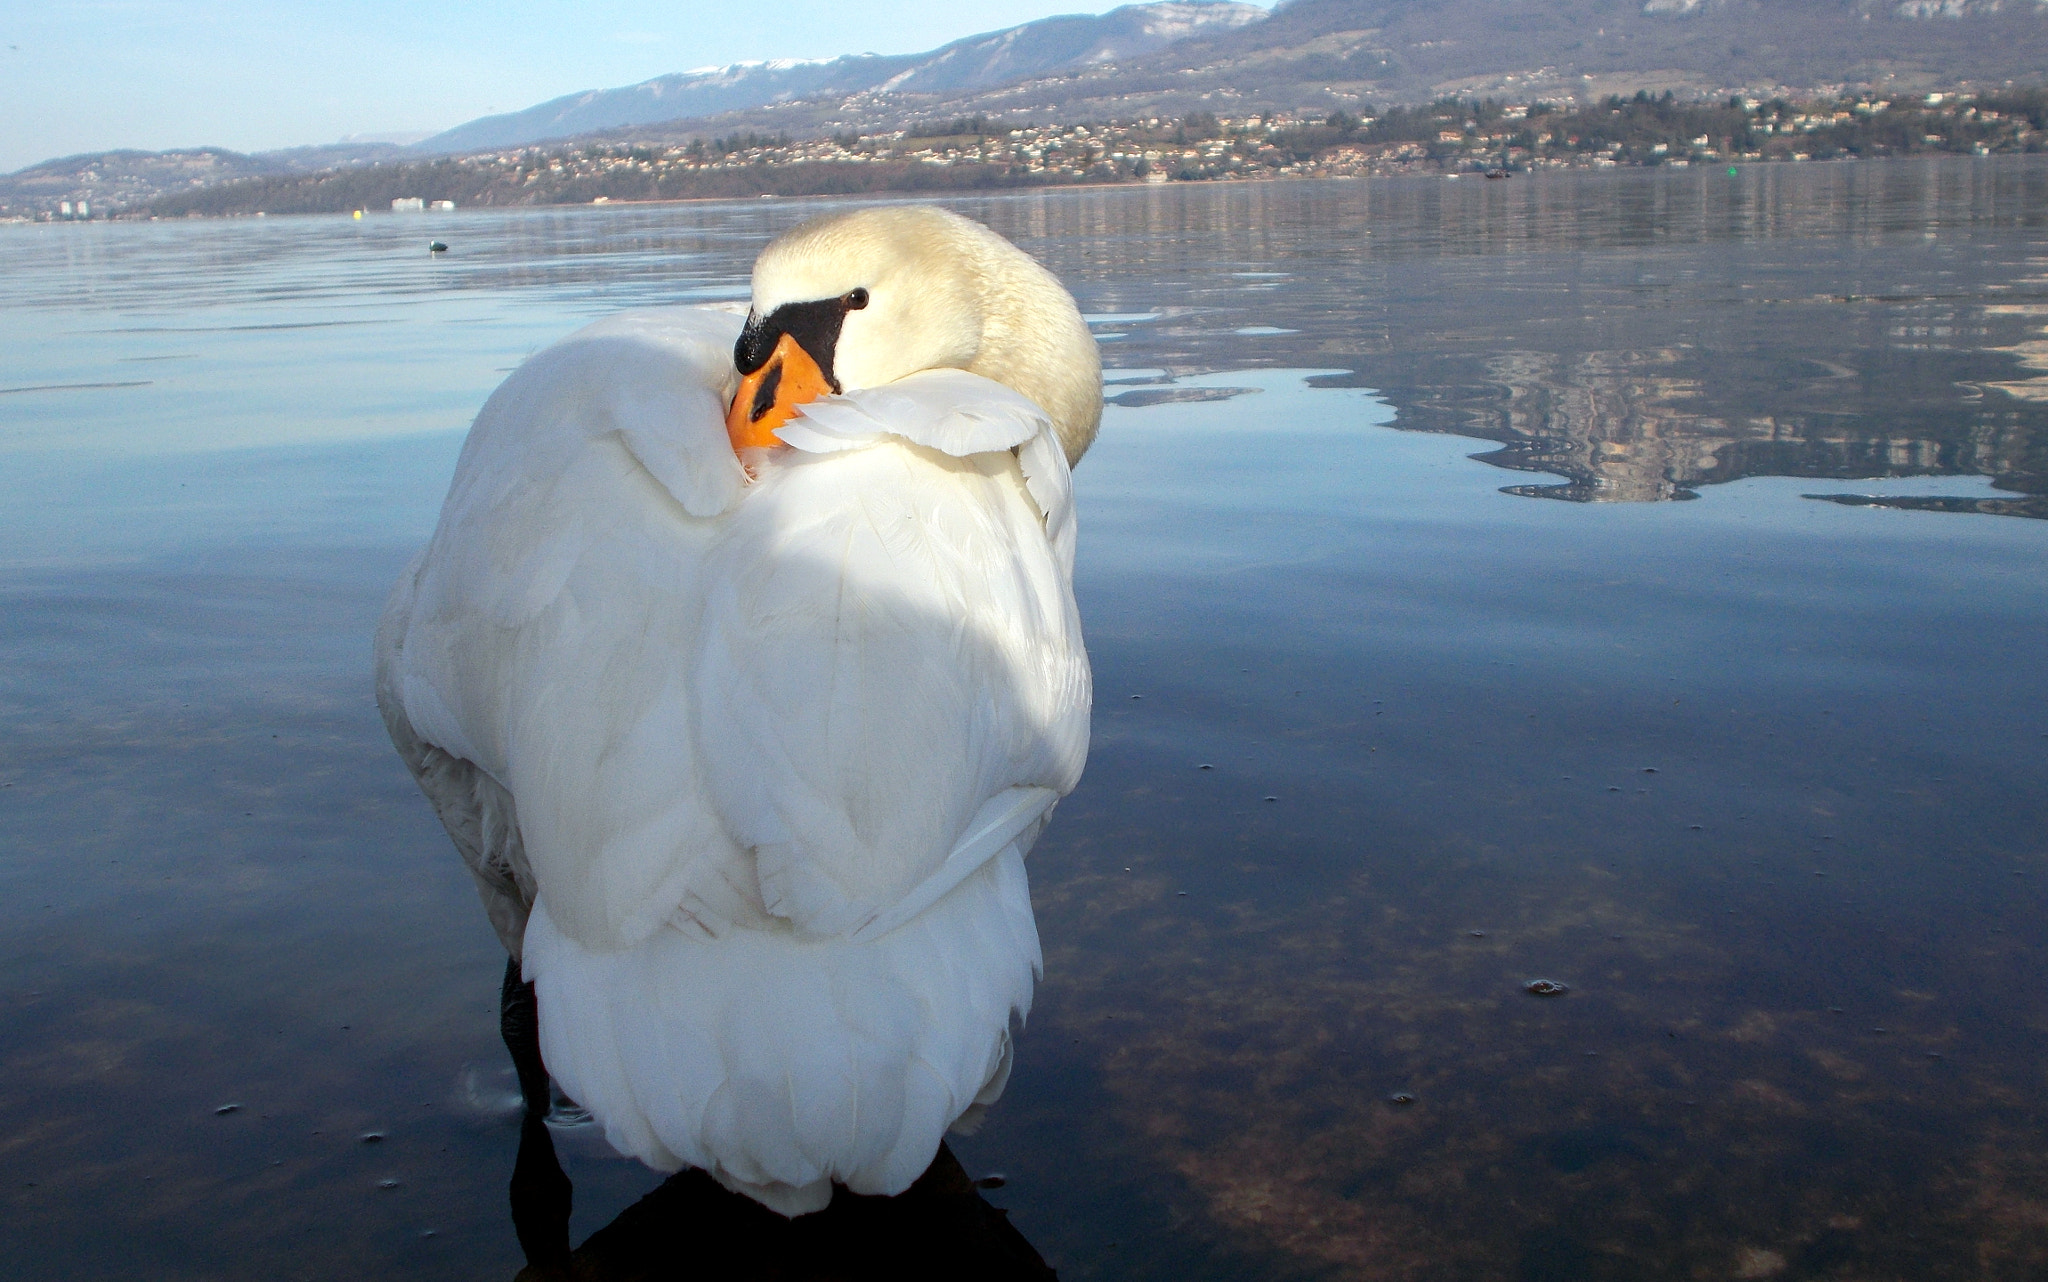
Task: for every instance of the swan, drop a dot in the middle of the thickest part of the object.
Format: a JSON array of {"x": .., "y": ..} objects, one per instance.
[{"x": 743, "y": 668}]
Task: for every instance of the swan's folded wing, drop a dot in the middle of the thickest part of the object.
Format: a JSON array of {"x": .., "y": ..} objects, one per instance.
[
  {"x": 890, "y": 642},
  {"x": 476, "y": 811},
  {"x": 1014, "y": 816},
  {"x": 956, "y": 413},
  {"x": 1050, "y": 482},
  {"x": 546, "y": 638},
  {"x": 948, "y": 410}
]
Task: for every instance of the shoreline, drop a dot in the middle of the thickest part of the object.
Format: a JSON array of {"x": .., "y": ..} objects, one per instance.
[
  {"x": 1424, "y": 171},
  {"x": 1449, "y": 138}
]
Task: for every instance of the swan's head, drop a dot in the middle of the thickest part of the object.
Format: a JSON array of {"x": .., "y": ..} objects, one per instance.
[{"x": 862, "y": 299}]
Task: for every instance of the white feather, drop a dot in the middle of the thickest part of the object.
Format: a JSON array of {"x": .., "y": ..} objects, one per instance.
[
  {"x": 948, "y": 410},
  {"x": 782, "y": 1064},
  {"x": 1000, "y": 825}
]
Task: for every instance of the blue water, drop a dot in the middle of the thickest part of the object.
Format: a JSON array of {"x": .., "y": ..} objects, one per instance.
[{"x": 1753, "y": 775}]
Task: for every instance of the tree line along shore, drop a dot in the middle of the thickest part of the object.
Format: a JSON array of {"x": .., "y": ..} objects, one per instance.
[{"x": 979, "y": 153}]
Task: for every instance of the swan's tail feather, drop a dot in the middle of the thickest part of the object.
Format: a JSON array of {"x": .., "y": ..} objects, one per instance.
[{"x": 783, "y": 1064}]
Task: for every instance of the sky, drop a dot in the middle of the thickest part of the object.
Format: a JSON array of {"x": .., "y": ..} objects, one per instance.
[{"x": 93, "y": 75}]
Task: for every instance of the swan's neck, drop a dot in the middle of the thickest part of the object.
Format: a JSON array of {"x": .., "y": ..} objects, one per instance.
[{"x": 1035, "y": 341}]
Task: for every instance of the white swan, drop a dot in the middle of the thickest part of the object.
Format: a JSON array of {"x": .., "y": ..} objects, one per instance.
[{"x": 745, "y": 744}]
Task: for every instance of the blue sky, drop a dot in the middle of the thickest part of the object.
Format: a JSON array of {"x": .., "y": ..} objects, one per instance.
[{"x": 252, "y": 74}]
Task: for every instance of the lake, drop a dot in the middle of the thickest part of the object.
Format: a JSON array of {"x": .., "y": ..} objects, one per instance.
[{"x": 1632, "y": 581}]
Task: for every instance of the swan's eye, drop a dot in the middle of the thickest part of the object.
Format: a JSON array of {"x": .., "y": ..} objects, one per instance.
[{"x": 856, "y": 300}]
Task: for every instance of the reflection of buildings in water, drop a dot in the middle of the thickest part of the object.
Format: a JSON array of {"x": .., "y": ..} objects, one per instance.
[
  {"x": 1659, "y": 334},
  {"x": 1606, "y": 422},
  {"x": 1636, "y": 426},
  {"x": 940, "y": 1227},
  {"x": 2031, "y": 352}
]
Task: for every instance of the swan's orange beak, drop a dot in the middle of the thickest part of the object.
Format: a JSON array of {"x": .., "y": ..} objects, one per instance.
[{"x": 768, "y": 397}]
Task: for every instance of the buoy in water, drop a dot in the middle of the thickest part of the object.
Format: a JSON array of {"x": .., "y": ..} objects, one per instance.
[{"x": 436, "y": 247}]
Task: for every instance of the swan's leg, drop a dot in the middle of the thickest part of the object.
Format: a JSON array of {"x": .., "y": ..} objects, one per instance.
[
  {"x": 541, "y": 1193},
  {"x": 519, "y": 1025}
]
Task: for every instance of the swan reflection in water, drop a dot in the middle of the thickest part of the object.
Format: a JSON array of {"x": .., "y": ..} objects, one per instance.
[{"x": 690, "y": 1226}]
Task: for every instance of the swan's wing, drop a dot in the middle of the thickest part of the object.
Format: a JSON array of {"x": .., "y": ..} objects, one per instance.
[
  {"x": 956, "y": 413},
  {"x": 545, "y": 634},
  {"x": 657, "y": 379},
  {"x": 948, "y": 410},
  {"x": 1013, "y": 817},
  {"x": 719, "y": 705},
  {"x": 1049, "y": 479},
  {"x": 890, "y": 645},
  {"x": 477, "y": 812}
]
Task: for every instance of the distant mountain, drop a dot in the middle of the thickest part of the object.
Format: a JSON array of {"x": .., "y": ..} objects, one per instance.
[
  {"x": 978, "y": 62},
  {"x": 1318, "y": 56},
  {"x": 112, "y": 179},
  {"x": 1233, "y": 60}
]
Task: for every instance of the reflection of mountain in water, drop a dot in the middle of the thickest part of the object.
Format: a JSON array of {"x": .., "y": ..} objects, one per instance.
[
  {"x": 1641, "y": 426},
  {"x": 1640, "y": 334}
]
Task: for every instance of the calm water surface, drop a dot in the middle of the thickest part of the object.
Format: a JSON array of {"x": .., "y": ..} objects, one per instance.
[{"x": 1381, "y": 735}]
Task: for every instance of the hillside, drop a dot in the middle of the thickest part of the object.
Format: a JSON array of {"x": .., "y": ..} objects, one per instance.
[
  {"x": 1171, "y": 60},
  {"x": 965, "y": 66},
  {"x": 1321, "y": 55},
  {"x": 1315, "y": 56},
  {"x": 1413, "y": 50},
  {"x": 120, "y": 179},
  {"x": 1450, "y": 137}
]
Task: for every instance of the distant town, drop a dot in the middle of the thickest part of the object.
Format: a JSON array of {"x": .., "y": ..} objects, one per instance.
[{"x": 1483, "y": 137}]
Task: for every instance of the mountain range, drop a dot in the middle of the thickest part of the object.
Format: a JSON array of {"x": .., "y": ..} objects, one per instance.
[
  {"x": 982, "y": 62},
  {"x": 1318, "y": 56},
  {"x": 1323, "y": 55},
  {"x": 1230, "y": 59},
  {"x": 113, "y": 179}
]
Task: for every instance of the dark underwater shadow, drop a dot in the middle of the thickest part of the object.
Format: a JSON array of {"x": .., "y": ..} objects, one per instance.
[{"x": 691, "y": 1227}]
